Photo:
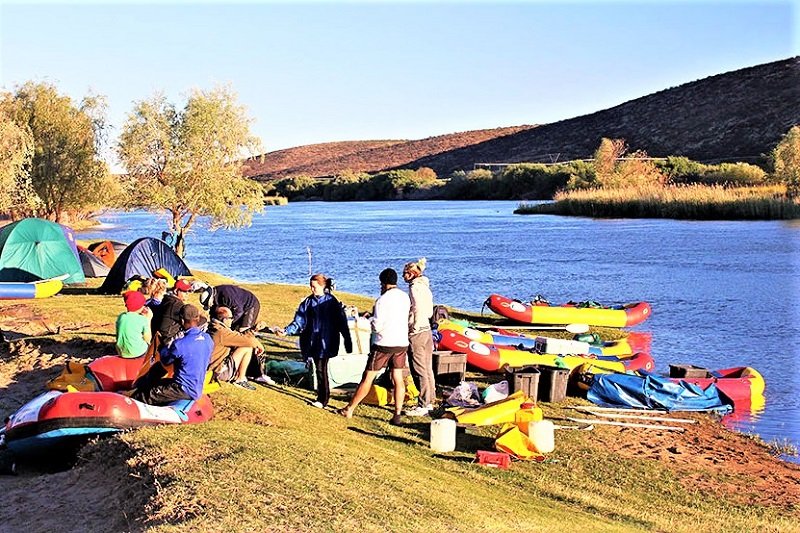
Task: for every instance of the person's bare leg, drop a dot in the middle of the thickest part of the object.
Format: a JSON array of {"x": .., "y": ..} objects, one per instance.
[
  {"x": 241, "y": 358},
  {"x": 361, "y": 392},
  {"x": 399, "y": 390}
]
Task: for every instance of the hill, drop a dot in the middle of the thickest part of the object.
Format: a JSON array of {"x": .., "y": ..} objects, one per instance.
[
  {"x": 735, "y": 116},
  {"x": 327, "y": 159}
]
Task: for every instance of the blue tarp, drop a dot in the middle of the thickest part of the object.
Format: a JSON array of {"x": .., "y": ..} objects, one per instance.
[{"x": 648, "y": 391}]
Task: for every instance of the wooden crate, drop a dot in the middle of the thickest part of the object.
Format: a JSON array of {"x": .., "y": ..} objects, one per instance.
[{"x": 449, "y": 367}]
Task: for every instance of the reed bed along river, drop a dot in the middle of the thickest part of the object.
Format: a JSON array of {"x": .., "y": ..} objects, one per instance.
[{"x": 723, "y": 293}]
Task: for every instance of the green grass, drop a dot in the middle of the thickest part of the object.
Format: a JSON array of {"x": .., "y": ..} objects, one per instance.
[{"x": 271, "y": 462}]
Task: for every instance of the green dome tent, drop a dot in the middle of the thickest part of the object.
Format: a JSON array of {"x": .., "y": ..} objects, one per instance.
[{"x": 32, "y": 249}]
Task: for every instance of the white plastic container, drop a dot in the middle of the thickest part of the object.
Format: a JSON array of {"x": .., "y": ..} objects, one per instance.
[
  {"x": 541, "y": 433},
  {"x": 443, "y": 435}
]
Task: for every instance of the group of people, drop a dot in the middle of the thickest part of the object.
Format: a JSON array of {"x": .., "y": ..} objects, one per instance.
[
  {"x": 157, "y": 321},
  {"x": 162, "y": 323},
  {"x": 401, "y": 335}
]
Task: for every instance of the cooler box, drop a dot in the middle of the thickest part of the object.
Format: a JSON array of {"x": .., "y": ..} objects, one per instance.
[
  {"x": 525, "y": 379},
  {"x": 345, "y": 371},
  {"x": 449, "y": 367},
  {"x": 553, "y": 384}
]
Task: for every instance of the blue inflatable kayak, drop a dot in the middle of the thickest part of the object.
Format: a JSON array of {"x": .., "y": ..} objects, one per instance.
[{"x": 12, "y": 290}]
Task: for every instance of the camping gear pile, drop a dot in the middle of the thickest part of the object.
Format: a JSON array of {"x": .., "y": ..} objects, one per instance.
[
  {"x": 38, "y": 257},
  {"x": 612, "y": 374}
]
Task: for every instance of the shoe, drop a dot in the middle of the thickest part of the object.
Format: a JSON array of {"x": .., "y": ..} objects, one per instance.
[
  {"x": 396, "y": 420},
  {"x": 244, "y": 384},
  {"x": 318, "y": 405},
  {"x": 417, "y": 411},
  {"x": 264, "y": 380}
]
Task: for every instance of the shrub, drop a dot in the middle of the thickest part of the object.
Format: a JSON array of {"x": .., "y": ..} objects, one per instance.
[
  {"x": 786, "y": 162},
  {"x": 581, "y": 174},
  {"x": 295, "y": 187},
  {"x": 530, "y": 181},
  {"x": 679, "y": 169},
  {"x": 476, "y": 184},
  {"x": 735, "y": 174}
]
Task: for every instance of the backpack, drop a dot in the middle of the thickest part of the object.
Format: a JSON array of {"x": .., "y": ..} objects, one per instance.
[{"x": 440, "y": 313}]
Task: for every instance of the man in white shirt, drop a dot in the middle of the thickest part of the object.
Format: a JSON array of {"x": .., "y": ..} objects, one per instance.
[{"x": 390, "y": 324}]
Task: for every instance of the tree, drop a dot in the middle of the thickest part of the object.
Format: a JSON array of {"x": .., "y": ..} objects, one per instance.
[
  {"x": 786, "y": 162},
  {"x": 16, "y": 151},
  {"x": 188, "y": 162},
  {"x": 65, "y": 168},
  {"x": 605, "y": 161},
  {"x": 614, "y": 172}
]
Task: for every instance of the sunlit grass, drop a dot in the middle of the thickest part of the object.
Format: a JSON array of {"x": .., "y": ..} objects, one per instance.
[
  {"x": 699, "y": 202},
  {"x": 271, "y": 462}
]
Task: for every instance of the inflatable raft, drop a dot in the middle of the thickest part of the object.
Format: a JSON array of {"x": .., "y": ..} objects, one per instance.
[
  {"x": 743, "y": 386},
  {"x": 616, "y": 317},
  {"x": 56, "y": 418},
  {"x": 621, "y": 347},
  {"x": 82, "y": 403},
  {"x": 13, "y": 290},
  {"x": 492, "y": 358}
]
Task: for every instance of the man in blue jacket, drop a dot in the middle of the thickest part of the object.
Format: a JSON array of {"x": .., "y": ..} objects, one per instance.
[{"x": 189, "y": 356}]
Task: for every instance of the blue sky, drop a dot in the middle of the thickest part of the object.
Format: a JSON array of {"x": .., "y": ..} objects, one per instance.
[{"x": 332, "y": 71}]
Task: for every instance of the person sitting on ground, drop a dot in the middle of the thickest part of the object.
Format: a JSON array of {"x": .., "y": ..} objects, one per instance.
[
  {"x": 390, "y": 324},
  {"x": 232, "y": 350},
  {"x": 133, "y": 326},
  {"x": 154, "y": 290},
  {"x": 166, "y": 320},
  {"x": 320, "y": 320},
  {"x": 243, "y": 303},
  {"x": 420, "y": 338},
  {"x": 189, "y": 355}
]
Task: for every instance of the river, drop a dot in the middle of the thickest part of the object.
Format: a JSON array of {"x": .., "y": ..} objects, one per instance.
[{"x": 723, "y": 293}]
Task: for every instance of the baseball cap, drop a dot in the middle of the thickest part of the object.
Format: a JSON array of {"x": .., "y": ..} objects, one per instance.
[
  {"x": 183, "y": 285},
  {"x": 134, "y": 300}
]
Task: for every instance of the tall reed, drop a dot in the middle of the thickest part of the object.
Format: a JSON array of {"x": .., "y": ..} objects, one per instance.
[{"x": 699, "y": 202}]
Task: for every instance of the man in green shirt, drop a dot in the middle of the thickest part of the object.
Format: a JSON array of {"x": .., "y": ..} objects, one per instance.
[{"x": 133, "y": 326}]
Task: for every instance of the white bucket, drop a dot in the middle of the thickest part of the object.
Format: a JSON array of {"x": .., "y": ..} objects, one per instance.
[
  {"x": 443, "y": 435},
  {"x": 541, "y": 433}
]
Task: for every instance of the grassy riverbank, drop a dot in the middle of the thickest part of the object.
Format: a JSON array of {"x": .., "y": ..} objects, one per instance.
[
  {"x": 269, "y": 461},
  {"x": 696, "y": 202}
]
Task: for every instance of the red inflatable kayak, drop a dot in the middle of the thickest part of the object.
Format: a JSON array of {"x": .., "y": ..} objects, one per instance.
[{"x": 571, "y": 313}]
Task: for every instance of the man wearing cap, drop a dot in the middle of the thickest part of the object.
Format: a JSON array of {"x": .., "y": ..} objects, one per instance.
[
  {"x": 166, "y": 321},
  {"x": 189, "y": 357},
  {"x": 232, "y": 350},
  {"x": 133, "y": 326},
  {"x": 390, "y": 324},
  {"x": 420, "y": 338}
]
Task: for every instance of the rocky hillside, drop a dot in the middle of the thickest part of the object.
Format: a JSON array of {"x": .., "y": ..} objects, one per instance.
[
  {"x": 736, "y": 116},
  {"x": 327, "y": 159}
]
